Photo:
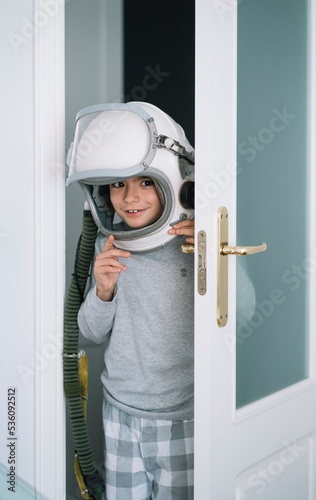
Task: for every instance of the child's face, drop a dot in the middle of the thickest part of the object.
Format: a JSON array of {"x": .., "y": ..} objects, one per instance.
[{"x": 136, "y": 201}]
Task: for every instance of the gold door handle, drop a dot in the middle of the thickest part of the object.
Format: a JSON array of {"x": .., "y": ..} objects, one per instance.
[
  {"x": 227, "y": 250},
  {"x": 223, "y": 251}
]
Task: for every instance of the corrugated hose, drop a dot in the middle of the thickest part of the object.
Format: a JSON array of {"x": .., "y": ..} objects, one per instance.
[{"x": 90, "y": 483}]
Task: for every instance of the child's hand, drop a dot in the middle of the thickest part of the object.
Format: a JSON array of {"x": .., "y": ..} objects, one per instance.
[
  {"x": 107, "y": 269},
  {"x": 185, "y": 227}
]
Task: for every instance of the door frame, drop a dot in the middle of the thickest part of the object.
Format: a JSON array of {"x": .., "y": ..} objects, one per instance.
[{"x": 49, "y": 247}]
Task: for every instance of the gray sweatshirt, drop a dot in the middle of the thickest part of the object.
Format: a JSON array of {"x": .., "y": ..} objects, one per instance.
[{"x": 148, "y": 330}]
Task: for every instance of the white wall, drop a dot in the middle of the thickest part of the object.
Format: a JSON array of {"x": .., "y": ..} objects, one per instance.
[
  {"x": 32, "y": 247},
  {"x": 17, "y": 240}
]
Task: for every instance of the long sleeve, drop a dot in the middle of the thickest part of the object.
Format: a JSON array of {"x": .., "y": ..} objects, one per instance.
[{"x": 95, "y": 317}]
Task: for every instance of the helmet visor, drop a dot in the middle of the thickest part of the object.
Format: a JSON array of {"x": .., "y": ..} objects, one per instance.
[{"x": 110, "y": 142}]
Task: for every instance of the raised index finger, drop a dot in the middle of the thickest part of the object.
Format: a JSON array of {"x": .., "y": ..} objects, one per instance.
[
  {"x": 109, "y": 243},
  {"x": 114, "y": 251}
]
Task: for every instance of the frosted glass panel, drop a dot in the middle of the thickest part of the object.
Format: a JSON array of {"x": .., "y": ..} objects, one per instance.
[{"x": 272, "y": 196}]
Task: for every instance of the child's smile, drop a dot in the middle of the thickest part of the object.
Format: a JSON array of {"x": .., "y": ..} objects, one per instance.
[{"x": 136, "y": 201}]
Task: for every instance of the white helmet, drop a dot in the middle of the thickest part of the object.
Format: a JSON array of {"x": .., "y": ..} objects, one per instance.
[{"x": 118, "y": 141}]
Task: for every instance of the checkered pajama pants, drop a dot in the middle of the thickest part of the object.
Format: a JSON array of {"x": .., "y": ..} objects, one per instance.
[{"x": 147, "y": 459}]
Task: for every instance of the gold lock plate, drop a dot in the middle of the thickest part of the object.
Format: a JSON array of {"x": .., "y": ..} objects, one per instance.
[
  {"x": 201, "y": 237},
  {"x": 222, "y": 267}
]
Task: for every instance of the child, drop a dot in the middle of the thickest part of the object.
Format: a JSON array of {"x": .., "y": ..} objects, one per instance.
[
  {"x": 142, "y": 307},
  {"x": 136, "y": 169}
]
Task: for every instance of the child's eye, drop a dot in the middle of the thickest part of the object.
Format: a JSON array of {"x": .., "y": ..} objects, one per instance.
[
  {"x": 118, "y": 184},
  {"x": 147, "y": 182}
]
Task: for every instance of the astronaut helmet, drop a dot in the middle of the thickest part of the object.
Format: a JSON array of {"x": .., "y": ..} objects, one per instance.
[{"x": 114, "y": 142}]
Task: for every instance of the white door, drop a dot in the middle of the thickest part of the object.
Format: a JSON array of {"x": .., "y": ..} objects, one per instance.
[{"x": 255, "y": 157}]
